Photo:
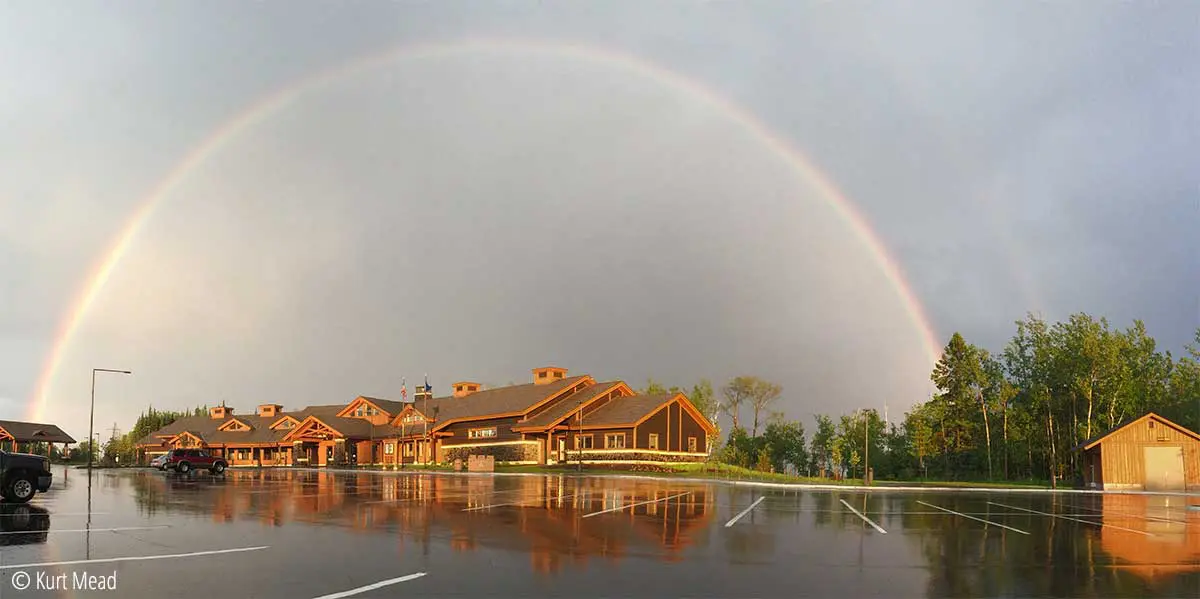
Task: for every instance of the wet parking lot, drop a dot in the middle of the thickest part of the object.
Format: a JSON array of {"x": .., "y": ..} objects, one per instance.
[{"x": 294, "y": 533}]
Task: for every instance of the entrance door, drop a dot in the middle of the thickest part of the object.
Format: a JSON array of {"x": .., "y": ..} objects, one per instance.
[{"x": 1164, "y": 469}]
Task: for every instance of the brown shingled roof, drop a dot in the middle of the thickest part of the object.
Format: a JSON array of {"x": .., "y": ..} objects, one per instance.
[
  {"x": 26, "y": 432},
  {"x": 494, "y": 402},
  {"x": 391, "y": 406},
  {"x": 560, "y": 410},
  {"x": 626, "y": 411}
]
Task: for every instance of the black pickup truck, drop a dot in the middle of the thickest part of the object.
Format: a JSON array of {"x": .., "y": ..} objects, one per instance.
[{"x": 22, "y": 475}]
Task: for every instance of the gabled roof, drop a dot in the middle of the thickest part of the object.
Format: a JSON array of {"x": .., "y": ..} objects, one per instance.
[
  {"x": 194, "y": 435},
  {"x": 25, "y": 432},
  {"x": 282, "y": 418},
  {"x": 1090, "y": 443},
  {"x": 391, "y": 407},
  {"x": 627, "y": 411},
  {"x": 491, "y": 403},
  {"x": 556, "y": 413},
  {"x": 233, "y": 422},
  {"x": 632, "y": 411}
]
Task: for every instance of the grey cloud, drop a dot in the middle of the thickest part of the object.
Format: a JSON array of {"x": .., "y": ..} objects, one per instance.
[{"x": 477, "y": 216}]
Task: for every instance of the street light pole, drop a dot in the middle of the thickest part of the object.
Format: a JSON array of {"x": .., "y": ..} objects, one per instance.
[
  {"x": 866, "y": 449},
  {"x": 92, "y": 416}
]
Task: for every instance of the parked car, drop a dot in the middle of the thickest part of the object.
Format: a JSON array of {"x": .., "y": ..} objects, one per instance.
[
  {"x": 159, "y": 462},
  {"x": 186, "y": 460},
  {"x": 22, "y": 475}
]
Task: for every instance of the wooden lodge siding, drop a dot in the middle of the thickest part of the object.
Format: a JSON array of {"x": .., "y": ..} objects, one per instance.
[
  {"x": 462, "y": 430},
  {"x": 673, "y": 425},
  {"x": 655, "y": 424},
  {"x": 690, "y": 428},
  {"x": 1121, "y": 455}
]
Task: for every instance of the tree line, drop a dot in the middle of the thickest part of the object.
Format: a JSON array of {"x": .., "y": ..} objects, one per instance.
[
  {"x": 122, "y": 449},
  {"x": 1020, "y": 413},
  {"x": 1024, "y": 411}
]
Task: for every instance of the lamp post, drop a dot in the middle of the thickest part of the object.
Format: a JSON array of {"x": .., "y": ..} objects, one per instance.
[
  {"x": 92, "y": 415},
  {"x": 866, "y": 447}
]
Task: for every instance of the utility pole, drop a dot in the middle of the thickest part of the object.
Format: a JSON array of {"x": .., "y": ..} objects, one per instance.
[{"x": 92, "y": 419}]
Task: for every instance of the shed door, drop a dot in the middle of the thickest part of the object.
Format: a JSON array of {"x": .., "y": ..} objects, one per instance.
[{"x": 1164, "y": 469}]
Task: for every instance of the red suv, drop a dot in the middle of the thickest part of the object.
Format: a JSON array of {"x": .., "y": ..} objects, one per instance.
[{"x": 186, "y": 460}]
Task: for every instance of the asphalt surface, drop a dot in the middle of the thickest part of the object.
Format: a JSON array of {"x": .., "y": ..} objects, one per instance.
[{"x": 308, "y": 534}]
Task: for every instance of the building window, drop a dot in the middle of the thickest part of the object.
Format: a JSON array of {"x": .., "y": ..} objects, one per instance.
[
  {"x": 692, "y": 444},
  {"x": 558, "y": 375},
  {"x": 583, "y": 441},
  {"x": 408, "y": 450},
  {"x": 614, "y": 441},
  {"x": 653, "y": 444},
  {"x": 543, "y": 374},
  {"x": 482, "y": 433},
  {"x": 389, "y": 448}
]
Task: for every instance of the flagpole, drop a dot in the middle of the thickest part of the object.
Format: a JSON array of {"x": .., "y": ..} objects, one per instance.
[
  {"x": 399, "y": 455},
  {"x": 425, "y": 420}
]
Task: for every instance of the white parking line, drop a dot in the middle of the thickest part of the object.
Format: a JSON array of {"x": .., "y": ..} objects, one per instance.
[
  {"x": 522, "y": 502},
  {"x": 625, "y": 507},
  {"x": 119, "y": 528},
  {"x": 1013, "y": 507},
  {"x": 134, "y": 558},
  {"x": 745, "y": 511},
  {"x": 372, "y": 587},
  {"x": 1101, "y": 513},
  {"x": 860, "y": 515},
  {"x": 972, "y": 517}
]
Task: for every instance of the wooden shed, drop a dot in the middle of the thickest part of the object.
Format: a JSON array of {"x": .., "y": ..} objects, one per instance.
[{"x": 1150, "y": 453}]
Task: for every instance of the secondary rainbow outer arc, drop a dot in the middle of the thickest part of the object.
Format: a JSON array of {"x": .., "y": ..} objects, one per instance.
[{"x": 827, "y": 190}]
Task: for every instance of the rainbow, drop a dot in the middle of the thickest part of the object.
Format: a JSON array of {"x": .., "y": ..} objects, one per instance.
[{"x": 280, "y": 98}]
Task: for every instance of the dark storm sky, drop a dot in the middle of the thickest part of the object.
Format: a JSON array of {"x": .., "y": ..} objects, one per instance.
[{"x": 479, "y": 211}]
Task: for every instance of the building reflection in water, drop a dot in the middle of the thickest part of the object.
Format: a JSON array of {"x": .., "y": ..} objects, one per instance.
[
  {"x": 540, "y": 516},
  {"x": 1100, "y": 545}
]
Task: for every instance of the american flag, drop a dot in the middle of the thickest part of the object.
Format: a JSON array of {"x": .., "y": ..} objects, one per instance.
[{"x": 403, "y": 389}]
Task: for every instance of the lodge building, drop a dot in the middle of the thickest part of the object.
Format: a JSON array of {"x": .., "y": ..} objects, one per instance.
[{"x": 555, "y": 418}]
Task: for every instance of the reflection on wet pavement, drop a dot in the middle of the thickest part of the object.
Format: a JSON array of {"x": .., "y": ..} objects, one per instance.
[{"x": 478, "y": 535}]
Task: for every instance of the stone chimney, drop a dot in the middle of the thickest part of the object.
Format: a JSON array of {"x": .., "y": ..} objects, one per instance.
[
  {"x": 548, "y": 374},
  {"x": 465, "y": 388}
]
